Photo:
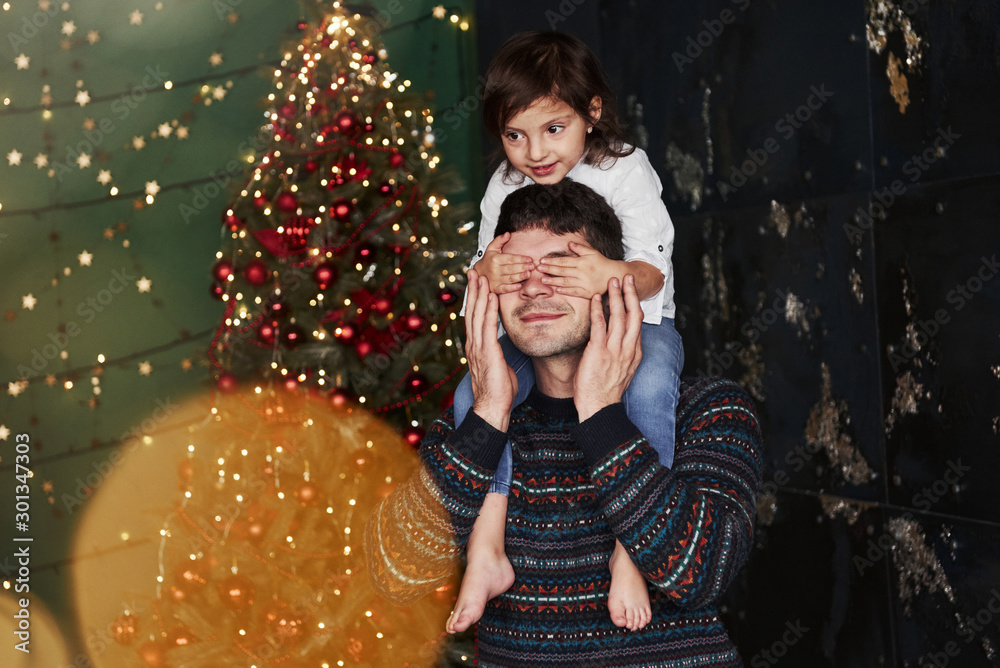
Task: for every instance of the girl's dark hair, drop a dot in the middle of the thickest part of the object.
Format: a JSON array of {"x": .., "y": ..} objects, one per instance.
[
  {"x": 534, "y": 65},
  {"x": 563, "y": 208}
]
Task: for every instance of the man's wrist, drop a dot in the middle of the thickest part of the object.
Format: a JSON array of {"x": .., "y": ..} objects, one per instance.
[
  {"x": 589, "y": 407},
  {"x": 495, "y": 416}
]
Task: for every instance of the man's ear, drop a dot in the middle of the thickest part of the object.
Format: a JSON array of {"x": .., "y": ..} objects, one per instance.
[{"x": 595, "y": 109}]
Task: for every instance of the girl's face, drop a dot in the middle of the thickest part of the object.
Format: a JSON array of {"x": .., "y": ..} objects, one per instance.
[{"x": 547, "y": 139}]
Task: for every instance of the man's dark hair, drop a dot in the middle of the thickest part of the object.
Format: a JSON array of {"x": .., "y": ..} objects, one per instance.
[{"x": 564, "y": 208}]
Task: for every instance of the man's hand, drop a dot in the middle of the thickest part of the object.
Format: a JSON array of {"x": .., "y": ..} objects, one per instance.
[
  {"x": 504, "y": 272},
  {"x": 494, "y": 383},
  {"x": 585, "y": 275},
  {"x": 610, "y": 359}
]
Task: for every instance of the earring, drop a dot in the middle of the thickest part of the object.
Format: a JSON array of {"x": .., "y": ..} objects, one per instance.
[{"x": 590, "y": 129}]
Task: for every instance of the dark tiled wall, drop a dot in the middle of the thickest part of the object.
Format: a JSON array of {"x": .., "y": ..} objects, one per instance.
[{"x": 832, "y": 172}]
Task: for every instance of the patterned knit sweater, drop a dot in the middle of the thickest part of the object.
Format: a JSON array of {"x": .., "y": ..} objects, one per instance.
[{"x": 576, "y": 487}]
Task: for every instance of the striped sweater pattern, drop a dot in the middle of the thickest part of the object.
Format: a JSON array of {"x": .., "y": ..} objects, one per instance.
[{"x": 576, "y": 488}]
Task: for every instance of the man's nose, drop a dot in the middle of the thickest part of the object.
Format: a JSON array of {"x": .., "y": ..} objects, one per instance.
[{"x": 534, "y": 287}]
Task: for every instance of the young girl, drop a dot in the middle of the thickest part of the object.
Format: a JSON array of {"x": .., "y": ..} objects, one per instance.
[{"x": 548, "y": 102}]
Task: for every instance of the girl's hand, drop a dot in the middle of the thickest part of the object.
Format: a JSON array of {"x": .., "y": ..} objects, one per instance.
[
  {"x": 583, "y": 276},
  {"x": 504, "y": 272}
]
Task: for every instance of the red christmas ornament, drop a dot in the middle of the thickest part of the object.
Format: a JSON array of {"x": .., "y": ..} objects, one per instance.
[
  {"x": 292, "y": 336},
  {"x": 302, "y": 25},
  {"x": 260, "y": 201},
  {"x": 363, "y": 348},
  {"x": 414, "y": 322},
  {"x": 295, "y": 233},
  {"x": 307, "y": 493},
  {"x": 124, "y": 628},
  {"x": 385, "y": 188},
  {"x": 287, "y": 202},
  {"x": 291, "y": 384},
  {"x": 447, "y": 296},
  {"x": 277, "y": 306},
  {"x": 288, "y": 110},
  {"x": 237, "y": 592},
  {"x": 341, "y": 209},
  {"x": 416, "y": 383},
  {"x": 382, "y": 306},
  {"x": 341, "y": 398},
  {"x": 226, "y": 382},
  {"x": 267, "y": 332},
  {"x": 288, "y": 626},
  {"x": 346, "y": 122},
  {"x": 396, "y": 160},
  {"x": 256, "y": 272},
  {"x": 365, "y": 252},
  {"x": 191, "y": 575},
  {"x": 370, "y": 58},
  {"x": 414, "y": 436},
  {"x": 346, "y": 334},
  {"x": 180, "y": 636},
  {"x": 218, "y": 289},
  {"x": 325, "y": 275},
  {"x": 311, "y": 166},
  {"x": 233, "y": 222},
  {"x": 222, "y": 270},
  {"x": 153, "y": 654}
]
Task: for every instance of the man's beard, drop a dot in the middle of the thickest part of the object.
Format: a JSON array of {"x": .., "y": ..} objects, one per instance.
[{"x": 539, "y": 347}]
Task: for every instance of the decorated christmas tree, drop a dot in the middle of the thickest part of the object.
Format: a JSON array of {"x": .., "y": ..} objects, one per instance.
[
  {"x": 341, "y": 276},
  {"x": 342, "y": 272}
]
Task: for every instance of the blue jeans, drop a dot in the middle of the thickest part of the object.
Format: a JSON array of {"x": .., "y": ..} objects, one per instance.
[{"x": 650, "y": 400}]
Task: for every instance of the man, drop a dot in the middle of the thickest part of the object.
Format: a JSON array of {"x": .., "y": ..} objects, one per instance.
[{"x": 583, "y": 475}]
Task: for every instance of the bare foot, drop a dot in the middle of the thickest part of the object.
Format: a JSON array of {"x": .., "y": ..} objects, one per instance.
[
  {"x": 488, "y": 572},
  {"x": 485, "y": 578},
  {"x": 628, "y": 598}
]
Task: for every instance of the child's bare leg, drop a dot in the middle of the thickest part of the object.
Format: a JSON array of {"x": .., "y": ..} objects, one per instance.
[
  {"x": 628, "y": 599},
  {"x": 488, "y": 572}
]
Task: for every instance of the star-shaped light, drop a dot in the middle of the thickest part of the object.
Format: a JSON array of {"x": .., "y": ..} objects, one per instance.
[
  {"x": 440, "y": 12},
  {"x": 83, "y": 160},
  {"x": 135, "y": 18},
  {"x": 22, "y": 62},
  {"x": 85, "y": 258},
  {"x": 182, "y": 132},
  {"x": 41, "y": 161},
  {"x": 218, "y": 92},
  {"x": 164, "y": 130},
  {"x": 138, "y": 143},
  {"x": 152, "y": 187},
  {"x": 14, "y": 389},
  {"x": 93, "y": 37},
  {"x": 89, "y": 124},
  {"x": 51, "y": 380},
  {"x": 14, "y": 157},
  {"x": 186, "y": 364},
  {"x": 4, "y": 432},
  {"x": 144, "y": 284},
  {"x": 104, "y": 177},
  {"x": 215, "y": 59},
  {"x": 47, "y": 486},
  {"x": 109, "y": 233},
  {"x": 83, "y": 98},
  {"x": 68, "y": 28},
  {"x": 145, "y": 368},
  {"x": 28, "y": 301}
]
